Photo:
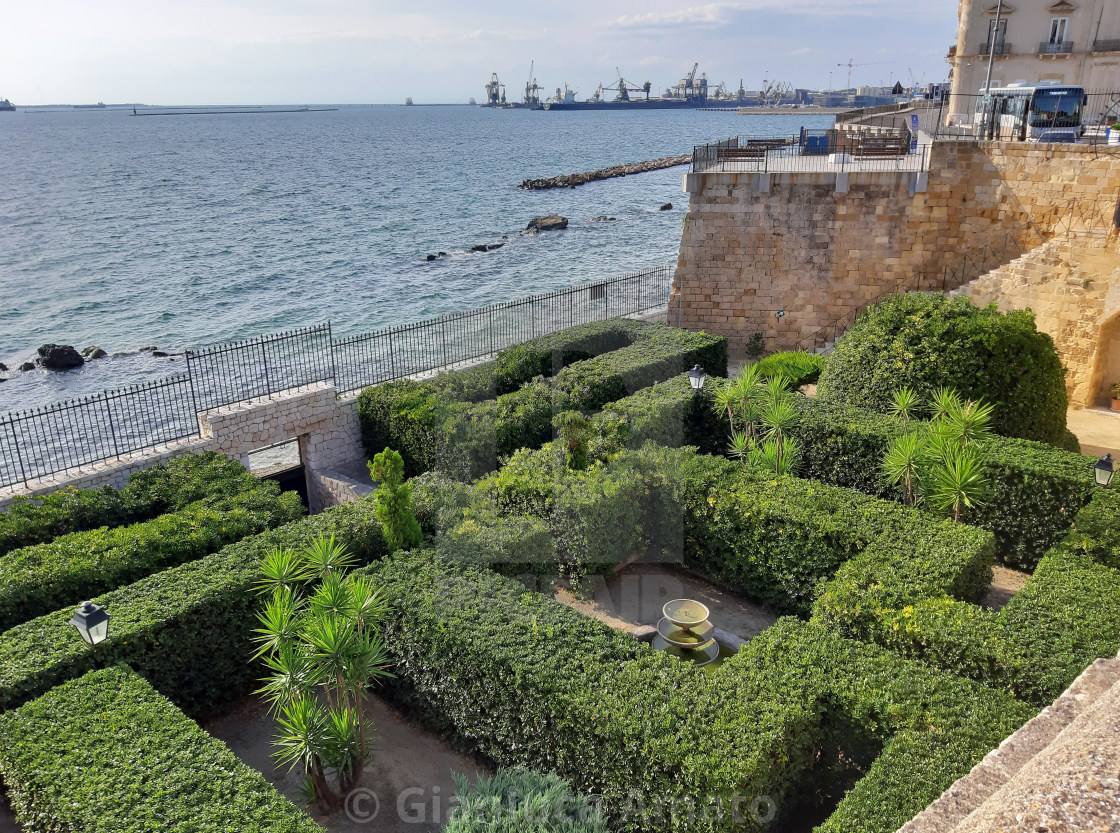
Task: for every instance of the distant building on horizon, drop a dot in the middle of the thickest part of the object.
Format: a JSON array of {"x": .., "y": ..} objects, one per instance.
[{"x": 1067, "y": 42}]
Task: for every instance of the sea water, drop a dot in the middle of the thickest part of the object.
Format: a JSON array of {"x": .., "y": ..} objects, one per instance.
[{"x": 183, "y": 231}]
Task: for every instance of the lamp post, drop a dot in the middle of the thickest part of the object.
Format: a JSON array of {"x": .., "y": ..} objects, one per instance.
[
  {"x": 1103, "y": 470},
  {"x": 696, "y": 377},
  {"x": 92, "y": 622}
]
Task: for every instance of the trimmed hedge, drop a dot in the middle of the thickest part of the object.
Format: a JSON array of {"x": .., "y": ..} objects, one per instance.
[
  {"x": 149, "y": 493},
  {"x": 779, "y": 540},
  {"x": 521, "y": 800},
  {"x": 1066, "y": 616},
  {"x": 527, "y": 681},
  {"x": 108, "y": 753},
  {"x": 929, "y": 341},
  {"x": 42, "y": 578},
  {"x": 1037, "y": 489},
  {"x": 185, "y": 629},
  {"x": 799, "y": 367},
  {"x": 432, "y": 428}
]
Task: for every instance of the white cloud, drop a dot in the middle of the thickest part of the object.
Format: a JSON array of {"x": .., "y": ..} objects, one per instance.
[{"x": 802, "y": 51}]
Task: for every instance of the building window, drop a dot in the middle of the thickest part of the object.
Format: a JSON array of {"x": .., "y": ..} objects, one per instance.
[
  {"x": 996, "y": 37},
  {"x": 1058, "y": 30}
]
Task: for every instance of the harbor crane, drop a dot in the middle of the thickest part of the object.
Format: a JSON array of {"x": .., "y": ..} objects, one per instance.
[
  {"x": 495, "y": 92},
  {"x": 532, "y": 90},
  {"x": 623, "y": 88},
  {"x": 851, "y": 63}
]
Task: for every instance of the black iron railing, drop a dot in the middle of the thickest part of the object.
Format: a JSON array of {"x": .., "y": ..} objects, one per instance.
[{"x": 41, "y": 442}]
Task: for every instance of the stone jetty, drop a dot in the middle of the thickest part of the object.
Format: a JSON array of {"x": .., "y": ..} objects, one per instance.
[{"x": 572, "y": 180}]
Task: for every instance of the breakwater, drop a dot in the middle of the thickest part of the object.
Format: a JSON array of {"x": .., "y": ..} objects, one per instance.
[{"x": 572, "y": 180}]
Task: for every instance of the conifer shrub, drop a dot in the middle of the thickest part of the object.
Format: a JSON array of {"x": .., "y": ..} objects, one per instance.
[{"x": 927, "y": 341}]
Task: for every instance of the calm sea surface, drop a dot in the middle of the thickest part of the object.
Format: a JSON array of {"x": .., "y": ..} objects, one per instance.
[{"x": 183, "y": 231}]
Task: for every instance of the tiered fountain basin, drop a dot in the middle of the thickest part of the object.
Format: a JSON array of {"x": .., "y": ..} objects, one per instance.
[{"x": 685, "y": 632}]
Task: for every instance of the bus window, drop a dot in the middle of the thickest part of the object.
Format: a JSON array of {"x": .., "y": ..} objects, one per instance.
[{"x": 1056, "y": 108}]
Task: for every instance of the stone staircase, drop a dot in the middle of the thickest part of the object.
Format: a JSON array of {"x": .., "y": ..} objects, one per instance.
[
  {"x": 1059, "y": 772},
  {"x": 1072, "y": 257}
]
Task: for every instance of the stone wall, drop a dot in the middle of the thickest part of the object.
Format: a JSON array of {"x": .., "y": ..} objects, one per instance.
[
  {"x": 1072, "y": 284},
  {"x": 820, "y": 246},
  {"x": 325, "y": 425}
]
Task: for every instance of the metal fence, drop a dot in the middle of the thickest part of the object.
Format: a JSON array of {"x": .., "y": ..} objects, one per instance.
[
  {"x": 37, "y": 443},
  {"x": 815, "y": 151}
]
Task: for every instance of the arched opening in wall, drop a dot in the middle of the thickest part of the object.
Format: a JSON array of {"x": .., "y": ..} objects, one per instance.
[
  {"x": 1106, "y": 370},
  {"x": 282, "y": 462}
]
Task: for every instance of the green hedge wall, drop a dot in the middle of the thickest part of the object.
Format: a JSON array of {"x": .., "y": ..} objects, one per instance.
[
  {"x": 108, "y": 753},
  {"x": 927, "y": 341},
  {"x": 167, "y": 487},
  {"x": 1066, "y": 616},
  {"x": 185, "y": 629},
  {"x": 780, "y": 540},
  {"x": 1037, "y": 488},
  {"x": 36, "y": 580},
  {"x": 527, "y": 681},
  {"x": 432, "y": 428}
]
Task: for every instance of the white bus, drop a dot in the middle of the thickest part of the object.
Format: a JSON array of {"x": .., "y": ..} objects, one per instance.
[{"x": 1040, "y": 113}]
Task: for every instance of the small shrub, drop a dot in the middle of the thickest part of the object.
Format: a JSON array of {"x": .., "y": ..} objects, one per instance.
[
  {"x": 799, "y": 368},
  {"x": 927, "y": 342},
  {"x": 394, "y": 504},
  {"x": 520, "y": 799}
]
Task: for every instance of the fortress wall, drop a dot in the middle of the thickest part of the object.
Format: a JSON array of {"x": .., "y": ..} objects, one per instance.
[{"x": 822, "y": 245}]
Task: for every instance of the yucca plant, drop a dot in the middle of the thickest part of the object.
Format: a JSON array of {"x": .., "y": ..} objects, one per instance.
[
  {"x": 322, "y": 648},
  {"x": 725, "y": 401},
  {"x": 957, "y": 483},
  {"x": 741, "y": 446},
  {"x": 904, "y": 405},
  {"x": 902, "y": 465}
]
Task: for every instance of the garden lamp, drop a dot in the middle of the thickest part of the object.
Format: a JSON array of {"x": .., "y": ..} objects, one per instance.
[
  {"x": 92, "y": 622},
  {"x": 696, "y": 377},
  {"x": 1103, "y": 470}
]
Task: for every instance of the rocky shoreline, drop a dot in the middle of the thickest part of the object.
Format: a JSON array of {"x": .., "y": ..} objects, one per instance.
[{"x": 572, "y": 180}]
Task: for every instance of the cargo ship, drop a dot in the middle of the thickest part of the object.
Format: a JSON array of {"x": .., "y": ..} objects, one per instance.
[
  {"x": 6, "y": 106},
  {"x": 691, "y": 92}
]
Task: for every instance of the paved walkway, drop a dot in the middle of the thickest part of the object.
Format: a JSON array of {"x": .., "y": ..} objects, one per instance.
[{"x": 1097, "y": 429}]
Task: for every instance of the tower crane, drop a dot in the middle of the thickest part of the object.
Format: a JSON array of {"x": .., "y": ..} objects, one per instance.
[{"x": 851, "y": 63}]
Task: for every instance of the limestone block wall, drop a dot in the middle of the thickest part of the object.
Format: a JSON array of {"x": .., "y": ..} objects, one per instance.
[
  {"x": 1072, "y": 285},
  {"x": 822, "y": 245},
  {"x": 325, "y": 425}
]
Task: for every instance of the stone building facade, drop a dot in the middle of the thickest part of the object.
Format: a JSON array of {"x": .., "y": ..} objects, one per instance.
[{"x": 1068, "y": 41}]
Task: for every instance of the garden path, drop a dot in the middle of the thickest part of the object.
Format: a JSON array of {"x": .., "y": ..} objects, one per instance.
[
  {"x": 409, "y": 772},
  {"x": 1097, "y": 429},
  {"x": 1005, "y": 584},
  {"x": 632, "y": 599}
]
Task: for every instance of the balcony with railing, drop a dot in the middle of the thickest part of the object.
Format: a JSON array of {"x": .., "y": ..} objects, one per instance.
[
  {"x": 1106, "y": 45},
  {"x": 1000, "y": 48},
  {"x": 1060, "y": 48}
]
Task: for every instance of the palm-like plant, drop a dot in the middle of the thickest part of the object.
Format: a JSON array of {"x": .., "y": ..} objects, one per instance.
[
  {"x": 326, "y": 644},
  {"x": 904, "y": 405},
  {"x": 740, "y": 446},
  {"x": 943, "y": 402},
  {"x": 958, "y": 483},
  {"x": 724, "y": 401},
  {"x": 902, "y": 464}
]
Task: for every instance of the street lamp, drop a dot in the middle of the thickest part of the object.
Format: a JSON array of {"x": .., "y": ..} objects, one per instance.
[
  {"x": 1103, "y": 470},
  {"x": 696, "y": 377},
  {"x": 92, "y": 622}
]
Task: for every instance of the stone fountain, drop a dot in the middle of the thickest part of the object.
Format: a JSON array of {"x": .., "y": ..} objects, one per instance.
[{"x": 685, "y": 632}]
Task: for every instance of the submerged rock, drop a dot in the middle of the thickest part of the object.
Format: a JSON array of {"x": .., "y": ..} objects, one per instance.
[
  {"x": 603, "y": 218},
  {"x": 666, "y": 207},
  {"x": 486, "y": 247},
  {"x": 159, "y": 354},
  {"x": 3, "y": 368},
  {"x": 91, "y": 353},
  {"x": 549, "y": 222},
  {"x": 59, "y": 357},
  {"x": 26, "y": 366}
]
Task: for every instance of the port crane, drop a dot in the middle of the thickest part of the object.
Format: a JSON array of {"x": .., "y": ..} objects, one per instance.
[
  {"x": 851, "y": 63},
  {"x": 690, "y": 87},
  {"x": 532, "y": 98},
  {"x": 623, "y": 88},
  {"x": 495, "y": 92},
  {"x": 773, "y": 92}
]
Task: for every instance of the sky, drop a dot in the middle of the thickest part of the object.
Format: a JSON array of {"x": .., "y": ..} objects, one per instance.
[{"x": 369, "y": 51}]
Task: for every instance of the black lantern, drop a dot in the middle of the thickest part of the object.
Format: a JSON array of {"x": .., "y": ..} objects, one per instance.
[
  {"x": 92, "y": 622},
  {"x": 696, "y": 377},
  {"x": 1103, "y": 470}
]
